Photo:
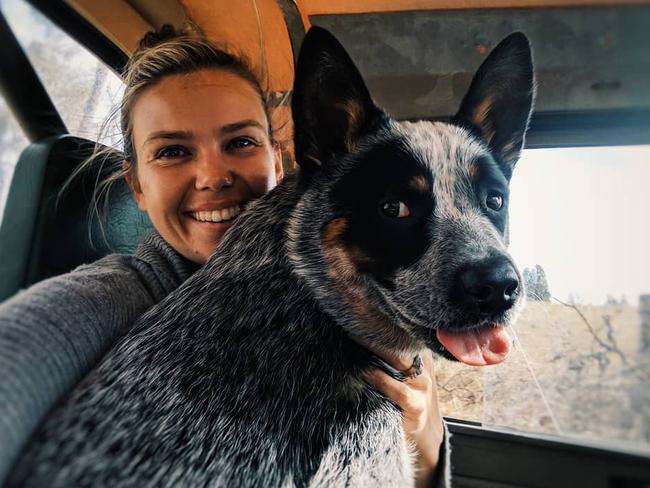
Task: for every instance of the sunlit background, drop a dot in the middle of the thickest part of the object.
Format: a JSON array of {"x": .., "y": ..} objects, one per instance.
[{"x": 582, "y": 214}]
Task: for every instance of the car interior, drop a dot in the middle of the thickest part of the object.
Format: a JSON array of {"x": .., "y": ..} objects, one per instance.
[{"x": 418, "y": 57}]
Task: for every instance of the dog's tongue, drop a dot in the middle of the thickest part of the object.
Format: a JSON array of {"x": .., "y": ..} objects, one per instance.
[{"x": 477, "y": 347}]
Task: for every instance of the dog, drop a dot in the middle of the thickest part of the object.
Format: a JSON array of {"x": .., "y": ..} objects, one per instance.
[{"x": 391, "y": 237}]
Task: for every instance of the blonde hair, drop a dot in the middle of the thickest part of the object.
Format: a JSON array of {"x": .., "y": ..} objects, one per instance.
[{"x": 160, "y": 54}]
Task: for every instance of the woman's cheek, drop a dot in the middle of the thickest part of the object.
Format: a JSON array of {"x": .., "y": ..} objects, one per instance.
[{"x": 261, "y": 182}]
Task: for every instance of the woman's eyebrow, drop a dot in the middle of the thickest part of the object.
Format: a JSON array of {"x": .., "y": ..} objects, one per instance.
[
  {"x": 179, "y": 134},
  {"x": 234, "y": 127}
]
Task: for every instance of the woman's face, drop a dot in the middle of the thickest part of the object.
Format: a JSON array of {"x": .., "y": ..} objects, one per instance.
[{"x": 203, "y": 150}]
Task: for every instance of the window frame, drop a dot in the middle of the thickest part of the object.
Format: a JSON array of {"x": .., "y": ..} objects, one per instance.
[
  {"x": 498, "y": 458},
  {"x": 24, "y": 92},
  {"x": 20, "y": 85},
  {"x": 73, "y": 24}
]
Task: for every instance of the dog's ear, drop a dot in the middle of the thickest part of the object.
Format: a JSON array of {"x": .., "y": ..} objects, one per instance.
[
  {"x": 331, "y": 105},
  {"x": 498, "y": 104}
]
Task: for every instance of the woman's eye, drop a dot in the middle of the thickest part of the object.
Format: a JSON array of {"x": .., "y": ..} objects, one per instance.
[
  {"x": 494, "y": 200},
  {"x": 172, "y": 152},
  {"x": 241, "y": 143},
  {"x": 395, "y": 209}
]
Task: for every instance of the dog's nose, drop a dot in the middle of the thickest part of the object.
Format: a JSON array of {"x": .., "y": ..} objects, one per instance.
[{"x": 492, "y": 285}]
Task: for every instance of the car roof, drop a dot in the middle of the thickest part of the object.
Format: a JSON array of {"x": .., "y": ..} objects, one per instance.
[{"x": 418, "y": 56}]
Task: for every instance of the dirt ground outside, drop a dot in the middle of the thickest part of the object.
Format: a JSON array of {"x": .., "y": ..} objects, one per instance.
[{"x": 575, "y": 370}]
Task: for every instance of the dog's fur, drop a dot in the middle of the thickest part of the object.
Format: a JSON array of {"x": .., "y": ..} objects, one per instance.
[{"x": 247, "y": 375}]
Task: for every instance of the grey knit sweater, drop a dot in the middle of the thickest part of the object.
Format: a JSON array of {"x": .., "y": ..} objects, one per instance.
[{"x": 53, "y": 333}]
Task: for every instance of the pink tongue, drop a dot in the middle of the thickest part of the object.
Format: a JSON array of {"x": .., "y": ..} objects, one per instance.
[{"x": 477, "y": 347}]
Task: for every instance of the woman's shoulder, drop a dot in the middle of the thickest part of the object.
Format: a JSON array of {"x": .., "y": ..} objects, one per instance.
[
  {"x": 104, "y": 296},
  {"x": 153, "y": 269},
  {"x": 88, "y": 281},
  {"x": 115, "y": 284}
]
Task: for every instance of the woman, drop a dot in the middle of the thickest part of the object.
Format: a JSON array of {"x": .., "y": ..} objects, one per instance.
[{"x": 198, "y": 146}]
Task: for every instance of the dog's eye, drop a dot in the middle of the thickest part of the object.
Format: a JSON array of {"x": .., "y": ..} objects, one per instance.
[
  {"x": 395, "y": 208},
  {"x": 494, "y": 200}
]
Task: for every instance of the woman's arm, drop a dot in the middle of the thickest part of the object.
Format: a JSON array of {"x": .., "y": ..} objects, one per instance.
[
  {"x": 418, "y": 399},
  {"x": 52, "y": 334},
  {"x": 55, "y": 332}
]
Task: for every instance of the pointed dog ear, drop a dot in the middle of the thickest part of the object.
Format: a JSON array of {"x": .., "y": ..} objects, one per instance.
[
  {"x": 498, "y": 105},
  {"x": 331, "y": 105}
]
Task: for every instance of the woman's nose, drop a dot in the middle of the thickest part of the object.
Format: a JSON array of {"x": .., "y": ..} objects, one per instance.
[{"x": 213, "y": 172}]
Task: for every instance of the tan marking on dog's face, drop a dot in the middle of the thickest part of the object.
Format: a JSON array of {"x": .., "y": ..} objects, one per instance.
[
  {"x": 331, "y": 238},
  {"x": 333, "y": 231},
  {"x": 343, "y": 270},
  {"x": 420, "y": 184}
]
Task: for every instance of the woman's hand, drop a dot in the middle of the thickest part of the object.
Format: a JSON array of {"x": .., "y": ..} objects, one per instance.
[{"x": 418, "y": 399}]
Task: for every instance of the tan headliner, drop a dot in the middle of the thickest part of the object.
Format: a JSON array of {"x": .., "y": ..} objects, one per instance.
[{"x": 234, "y": 23}]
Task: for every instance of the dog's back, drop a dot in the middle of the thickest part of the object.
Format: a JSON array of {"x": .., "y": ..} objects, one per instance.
[
  {"x": 247, "y": 375},
  {"x": 238, "y": 379}
]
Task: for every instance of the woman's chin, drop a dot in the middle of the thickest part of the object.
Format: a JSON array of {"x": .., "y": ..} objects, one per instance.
[{"x": 206, "y": 236}]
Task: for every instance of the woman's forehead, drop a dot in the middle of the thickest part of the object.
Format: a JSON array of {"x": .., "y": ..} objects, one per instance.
[{"x": 203, "y": 100}]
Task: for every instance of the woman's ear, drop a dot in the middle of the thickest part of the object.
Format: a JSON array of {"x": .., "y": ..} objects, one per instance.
[
  {"x": 131, "y": 178},
  {"x": 277, "y": 156}
]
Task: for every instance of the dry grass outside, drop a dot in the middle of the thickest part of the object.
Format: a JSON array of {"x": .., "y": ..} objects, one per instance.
[{"x": 576, "y": 371}]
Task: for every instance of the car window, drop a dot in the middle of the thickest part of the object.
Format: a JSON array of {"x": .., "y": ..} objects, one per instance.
[
  {"x": 581, "y": 361},
  {"x": 13, "y": 142},
  {"x": 82, "y": 88}
]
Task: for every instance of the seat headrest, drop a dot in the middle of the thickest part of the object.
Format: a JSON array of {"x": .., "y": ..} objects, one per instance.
[{"x": 46, "y": 232}]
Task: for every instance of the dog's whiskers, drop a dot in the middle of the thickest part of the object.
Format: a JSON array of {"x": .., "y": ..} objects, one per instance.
[{"x": 399, "y": 313}]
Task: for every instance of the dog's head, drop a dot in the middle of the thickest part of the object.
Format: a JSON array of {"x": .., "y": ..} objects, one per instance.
[{"x": 403, "y": 227}]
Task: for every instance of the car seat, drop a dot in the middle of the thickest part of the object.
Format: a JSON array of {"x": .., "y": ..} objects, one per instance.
[{"x": 46, "y": 232}]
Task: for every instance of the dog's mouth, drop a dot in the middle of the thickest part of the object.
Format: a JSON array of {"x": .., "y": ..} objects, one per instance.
[{"x": 480, "y": 346}]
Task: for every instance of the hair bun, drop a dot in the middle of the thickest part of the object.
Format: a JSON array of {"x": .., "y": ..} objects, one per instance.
[{"x": 153, "y": 38}]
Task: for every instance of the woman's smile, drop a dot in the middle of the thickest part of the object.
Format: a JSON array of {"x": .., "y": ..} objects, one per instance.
[{"x": 218, "y": 215}]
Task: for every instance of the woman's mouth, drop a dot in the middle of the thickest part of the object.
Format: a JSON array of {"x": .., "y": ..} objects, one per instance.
[{"x": 221, "y": 215}]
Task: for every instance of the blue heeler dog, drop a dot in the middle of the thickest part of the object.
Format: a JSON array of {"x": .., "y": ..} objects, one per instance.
[{"x": 391, "y": 237}]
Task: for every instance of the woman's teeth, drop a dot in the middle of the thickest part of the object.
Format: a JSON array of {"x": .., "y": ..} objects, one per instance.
[{"x": 217, "y": 215}]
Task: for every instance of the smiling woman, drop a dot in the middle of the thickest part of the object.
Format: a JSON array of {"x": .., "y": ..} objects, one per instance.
[
  {"x": 198, "y": 142},
  {"x": 204, "y": 149}
]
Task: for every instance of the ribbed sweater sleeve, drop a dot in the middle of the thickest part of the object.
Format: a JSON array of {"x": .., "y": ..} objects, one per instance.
[{"x": 53, "y": 333}]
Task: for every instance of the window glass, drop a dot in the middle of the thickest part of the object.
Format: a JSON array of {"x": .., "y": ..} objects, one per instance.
[
  {"x": 13, "y": 141},
  {"x": 581, "y": 361},
  {"x": 83, "y": 89}
]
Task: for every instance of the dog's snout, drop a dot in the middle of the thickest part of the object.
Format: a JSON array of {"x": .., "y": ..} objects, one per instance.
[{"x": 492, "y": 286}]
